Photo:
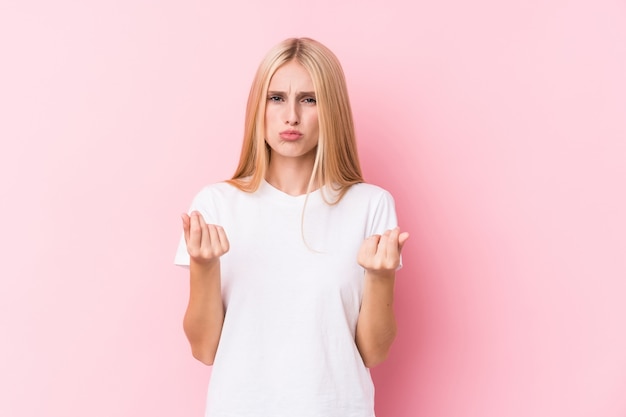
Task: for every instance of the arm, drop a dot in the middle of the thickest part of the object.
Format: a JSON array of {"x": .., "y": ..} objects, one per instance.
[
  {"x": 205, "y": 312},
  {"x": 376, "y": 326}
]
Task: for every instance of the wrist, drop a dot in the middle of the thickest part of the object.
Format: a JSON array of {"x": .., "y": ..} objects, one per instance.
[
  {"x": 382, "y": 275},
  {"x": 204, "y": 265}
]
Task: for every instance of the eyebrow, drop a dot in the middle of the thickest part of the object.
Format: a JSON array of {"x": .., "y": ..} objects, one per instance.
[{"x": 299, "y": 95}]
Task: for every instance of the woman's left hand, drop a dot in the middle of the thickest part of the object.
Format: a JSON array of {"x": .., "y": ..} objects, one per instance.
[{"x": 380, "y": 254}]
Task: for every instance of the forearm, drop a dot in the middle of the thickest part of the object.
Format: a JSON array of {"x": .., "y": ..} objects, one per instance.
[
  {"x": 205, "y": 312},
  {"x": 376, "y": 325}
]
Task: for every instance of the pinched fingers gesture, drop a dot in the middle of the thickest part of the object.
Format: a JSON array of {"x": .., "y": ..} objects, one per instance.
[
  {"x": 381, "y": 253},
  {"x": 205, "y": 242}
]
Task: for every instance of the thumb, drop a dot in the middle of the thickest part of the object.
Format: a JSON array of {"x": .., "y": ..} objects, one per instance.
[
  {"x": 186, "y": 224},
  {"x": 404, "y": 236}
]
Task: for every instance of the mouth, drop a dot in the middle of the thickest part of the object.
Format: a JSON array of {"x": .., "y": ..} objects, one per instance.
[{"x": 290, "y": 135}]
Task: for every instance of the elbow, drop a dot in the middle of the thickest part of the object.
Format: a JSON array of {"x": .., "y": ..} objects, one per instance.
[
  {"x": 374, "y": 359},
  {"x": 203, "y": 355},
  {"x": 201, "y": 350},
  {"x": 375, "y": 351},
  {"x": 203, "y": 347}
]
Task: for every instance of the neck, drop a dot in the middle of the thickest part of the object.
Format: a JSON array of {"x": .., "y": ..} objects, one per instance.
[{"x": 290, "y": 175}]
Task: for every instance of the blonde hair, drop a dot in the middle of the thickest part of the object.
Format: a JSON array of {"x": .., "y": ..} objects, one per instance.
[{"x": 336, "y": 162}]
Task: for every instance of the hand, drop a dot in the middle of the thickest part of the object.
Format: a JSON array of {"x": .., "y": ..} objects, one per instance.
[
  {"x": 205, "y": 242},
  {"x": 380, "y": 254}
]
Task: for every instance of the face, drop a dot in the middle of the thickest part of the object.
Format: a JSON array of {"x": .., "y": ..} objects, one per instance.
[{"x": 291, "y": 125}]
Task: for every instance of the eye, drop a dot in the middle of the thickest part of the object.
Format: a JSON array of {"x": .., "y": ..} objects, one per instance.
[
  {"x": 309, "y": 100},
  {"x": 274, "y": 98}
]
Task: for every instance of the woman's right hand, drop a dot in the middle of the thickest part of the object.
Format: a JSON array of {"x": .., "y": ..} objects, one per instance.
[{"x": 205, "y": 242}]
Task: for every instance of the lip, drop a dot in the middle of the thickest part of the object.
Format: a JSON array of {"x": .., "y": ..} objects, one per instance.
[{"x": 290, "y": 134}]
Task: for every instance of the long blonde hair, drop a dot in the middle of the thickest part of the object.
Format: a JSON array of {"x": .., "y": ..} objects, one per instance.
[{"x": 336, "y": 162}]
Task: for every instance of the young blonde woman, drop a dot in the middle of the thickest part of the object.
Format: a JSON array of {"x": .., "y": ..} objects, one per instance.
[{"x": 293, "y": 260}]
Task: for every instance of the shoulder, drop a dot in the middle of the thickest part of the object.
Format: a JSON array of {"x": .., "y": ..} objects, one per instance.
[
  {"x": 218, "y": 189},
  {"x": 216, "y": 193},
  {"x": 377, "y": 204},
  {"x": 368, "y": 192}
]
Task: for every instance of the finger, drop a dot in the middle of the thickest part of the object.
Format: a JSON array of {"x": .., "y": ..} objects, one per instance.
[
  {"x": 205, "y": 241},
  {"x": 214, "y": 237},
  {"x": 404, "y": 236},
  {"x": 195, "y": 231},
  {"x": 368, "y": 248},
  {"x": 223, "y": 239},
  {"x": 383, "y": 244},
  {"x": 392, "y": 241}
]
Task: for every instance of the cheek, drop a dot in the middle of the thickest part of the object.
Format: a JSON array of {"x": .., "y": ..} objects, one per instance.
[
  {"x": 272, "y": 122},
  {"x": 314, "y": 121},
  {"x": 268, "y": 115}
]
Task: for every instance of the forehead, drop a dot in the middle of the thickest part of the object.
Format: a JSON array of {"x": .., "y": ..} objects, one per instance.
[{"x": 291, "y": 76}]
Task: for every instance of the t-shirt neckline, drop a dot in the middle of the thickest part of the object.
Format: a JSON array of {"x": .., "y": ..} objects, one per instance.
[{"x": 269, "y": 190}]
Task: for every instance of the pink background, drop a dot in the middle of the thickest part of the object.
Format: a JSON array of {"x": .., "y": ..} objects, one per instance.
[{"x": 500, "y": 127}]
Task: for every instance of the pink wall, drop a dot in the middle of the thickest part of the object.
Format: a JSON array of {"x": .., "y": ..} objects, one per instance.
[{"x": 499, "y": 126}]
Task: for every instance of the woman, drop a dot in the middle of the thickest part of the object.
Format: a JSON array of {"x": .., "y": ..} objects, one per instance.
[{"x": 292, "y": 261}]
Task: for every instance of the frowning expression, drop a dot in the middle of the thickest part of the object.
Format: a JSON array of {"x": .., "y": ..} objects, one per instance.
[{"x": 291, "y": 119}]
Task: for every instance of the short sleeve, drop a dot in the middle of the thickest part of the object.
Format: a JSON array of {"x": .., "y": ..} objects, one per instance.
[{"x": 384, "y": 216}]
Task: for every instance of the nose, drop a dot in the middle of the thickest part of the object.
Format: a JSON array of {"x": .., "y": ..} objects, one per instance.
[{"x": 292, "y": 118}]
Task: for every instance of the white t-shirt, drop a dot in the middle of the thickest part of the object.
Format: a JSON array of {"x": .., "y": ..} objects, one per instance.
[{"x": 292, "y": 289}]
